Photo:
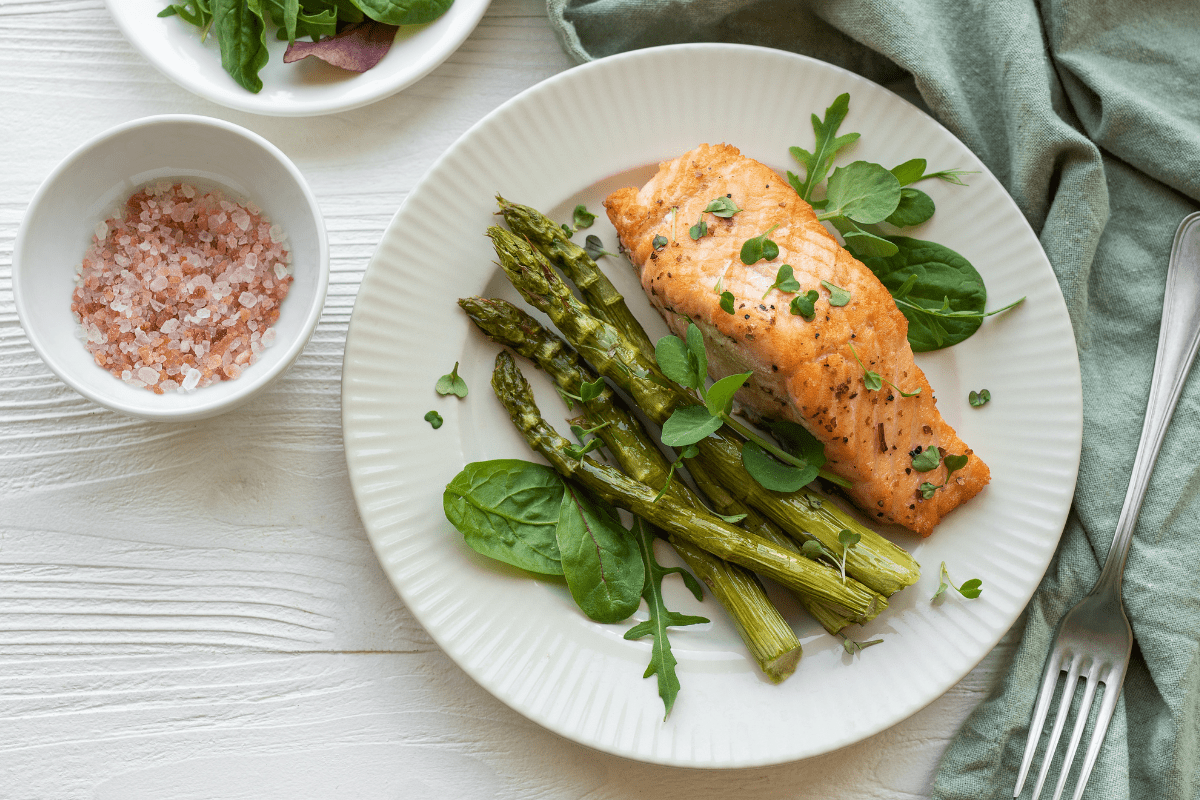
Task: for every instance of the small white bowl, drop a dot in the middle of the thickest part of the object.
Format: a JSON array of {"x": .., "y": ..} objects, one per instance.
[{"x": 92, "y": 184}]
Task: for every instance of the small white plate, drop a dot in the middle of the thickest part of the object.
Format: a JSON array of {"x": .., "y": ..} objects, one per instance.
[
  {"x": 305, "y": 88},
  {"x": 573, "y": 139}
]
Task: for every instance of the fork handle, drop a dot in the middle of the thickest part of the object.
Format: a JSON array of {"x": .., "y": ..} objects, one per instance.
[{"x": 1178, "y": 339}]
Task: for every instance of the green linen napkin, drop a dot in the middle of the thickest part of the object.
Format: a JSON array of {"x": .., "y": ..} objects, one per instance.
[{"x": 1088, "y": 111}]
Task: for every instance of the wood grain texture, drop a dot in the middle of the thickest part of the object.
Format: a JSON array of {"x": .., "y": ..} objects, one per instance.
[{"x": 193, "y": 610}]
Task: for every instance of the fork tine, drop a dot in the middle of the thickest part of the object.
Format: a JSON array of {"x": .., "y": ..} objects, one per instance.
[
  {"x": 1060, "y": 721},
  {"x": 1054, "y": 667},
  {"x": 1085, "y": 710},
  {"x": 1112, "y": 690}
]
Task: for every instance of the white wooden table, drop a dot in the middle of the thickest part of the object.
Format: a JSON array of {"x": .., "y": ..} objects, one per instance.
[{"x": 193, "y": 610}]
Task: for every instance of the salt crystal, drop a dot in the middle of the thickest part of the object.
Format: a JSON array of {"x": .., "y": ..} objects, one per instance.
[
  {"x": 190, "y": 379},
  {"x": 101, "y": 231},
  {"x": 170, "y": 326},
  {"x": 148, "y": 375},
  {"x": 248, "y": 300},
  {"x": 280, "y": 270}
]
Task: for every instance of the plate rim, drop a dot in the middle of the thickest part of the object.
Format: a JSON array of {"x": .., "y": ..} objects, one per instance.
[
  {"x": 258, "y": 104},
  {"x": 1075, "y": 380}
]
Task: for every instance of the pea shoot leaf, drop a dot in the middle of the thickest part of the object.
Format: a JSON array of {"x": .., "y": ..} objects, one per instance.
[
  {"x": 798, "y": 441},
  {"x": 689, "y": 425},
  {"x": 590, "y": 391},
  {"x": 676, "y": 361},
  {"x": 726, "y": 302},
  {"x": 863, "y": 192},
  {"x": 695, "y": 343},
  {"x": 772, "y": 474},
  {"x": 915, "y": 207},
  {"x": 804, "y": 305},
  {"x": 785, "y": 281},
  {"x": 817, "y": 162},
  {"x": 723, "y": 207},
  {"x": 719, "y": 398},
  {"x": 952, "y": 175},
  {"x": 451, "y": 384},
  {"x": 662, "y": 660}
]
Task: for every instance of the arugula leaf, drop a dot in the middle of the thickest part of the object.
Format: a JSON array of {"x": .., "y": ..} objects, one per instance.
[
  {"x": 772, "y": 474},
  {"x": 451, "y": 384},
  {"x": 915, "y": 207},
  {"x": 434, "y": 419},
  {"x": 785, "y": 281},
  {"x": 508, "y": 510},
  {"x": 828, "y": 144},
  {"x": 927, "y": 460},
  {"x": 838, "y": 296},
  {"x": 193, "y": 12},
  {"x": 719, "y": 398},
  {"x": 241, "y": 33},
  {"x": 863, "y": 192},
  {"x": 594, "y": 247},
  {"x": 980, "y": 398},
  {"x": 804, "y": 305},
  {"x": 970, "y": 589},
  {"x": 600, "y": 559},
  {"x": 722, "y": 207},
  {"x": 659, "y": 242},
  {"x": 760, "y": 248},
  {"x": 726, "y": 302},
  {"x": 689, "y": 425},
  {"x": 952, "y": 175},
  {"x": 662, "y": 660},
  {"x": 403, "y": 12}
]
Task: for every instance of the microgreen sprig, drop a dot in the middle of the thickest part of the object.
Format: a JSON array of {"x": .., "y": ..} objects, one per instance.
[
  {"x": 726, "y": 302},
  {"x": 874, "y": 381},
  {"x": 595, "y": 248},
  {"x": 980, "y": 398},
  {"x": 760, "y": 248},
  {"x": 582, "y": 218},
  {"x": 804, "y": 305},
  {"x": 970, "y": 589},
  {"x": 434, "y": 419},
  {"x": 691, "y": 451},
  {"x": 838, "y": 296},
  {"x": 953, "y": 464},
  {"x": 785, "y": 281},
  {"x": 853, "y": 648},
  {"x": 659, "y": 242},
  {"x": 451, "y": 384},
  {"x": 723, "y": 207}
]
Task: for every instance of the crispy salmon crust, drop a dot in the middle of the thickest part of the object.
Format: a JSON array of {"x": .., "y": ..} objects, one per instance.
[{"x": 804, "y": 370}]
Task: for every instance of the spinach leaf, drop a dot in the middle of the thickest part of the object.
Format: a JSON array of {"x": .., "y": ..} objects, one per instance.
[
  {"x": 863, "y": 192},
  {"x": 915, "y": 207},
  {"x": 861, "y": 243},
  {"x": 241, "y": 32},
  {"x": 508, "y": 510},
  {"x": 772, "y": 474},
  {"x": 403, "y": 12},
  {"x": 910, "y": 171},
  {"x": 828, "y": 144},
  {"x": 600, "y": 559},
  {"x": 945, "y": 304},
  {"x": 662, "y": 661}
]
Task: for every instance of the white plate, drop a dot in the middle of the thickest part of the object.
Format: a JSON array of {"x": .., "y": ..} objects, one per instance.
[
  {"x": 574, "y": 138},
  {"x": 306, "y": 88}
]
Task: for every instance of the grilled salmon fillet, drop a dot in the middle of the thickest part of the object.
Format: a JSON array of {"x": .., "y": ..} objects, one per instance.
[{"x": 804, "y": 370}]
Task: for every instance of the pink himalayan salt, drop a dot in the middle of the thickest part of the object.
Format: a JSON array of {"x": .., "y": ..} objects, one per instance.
[{"x": 183, "y": 291}]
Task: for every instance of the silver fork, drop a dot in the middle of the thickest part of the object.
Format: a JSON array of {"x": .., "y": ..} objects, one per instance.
[{"x": 1094, "y": 639}]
